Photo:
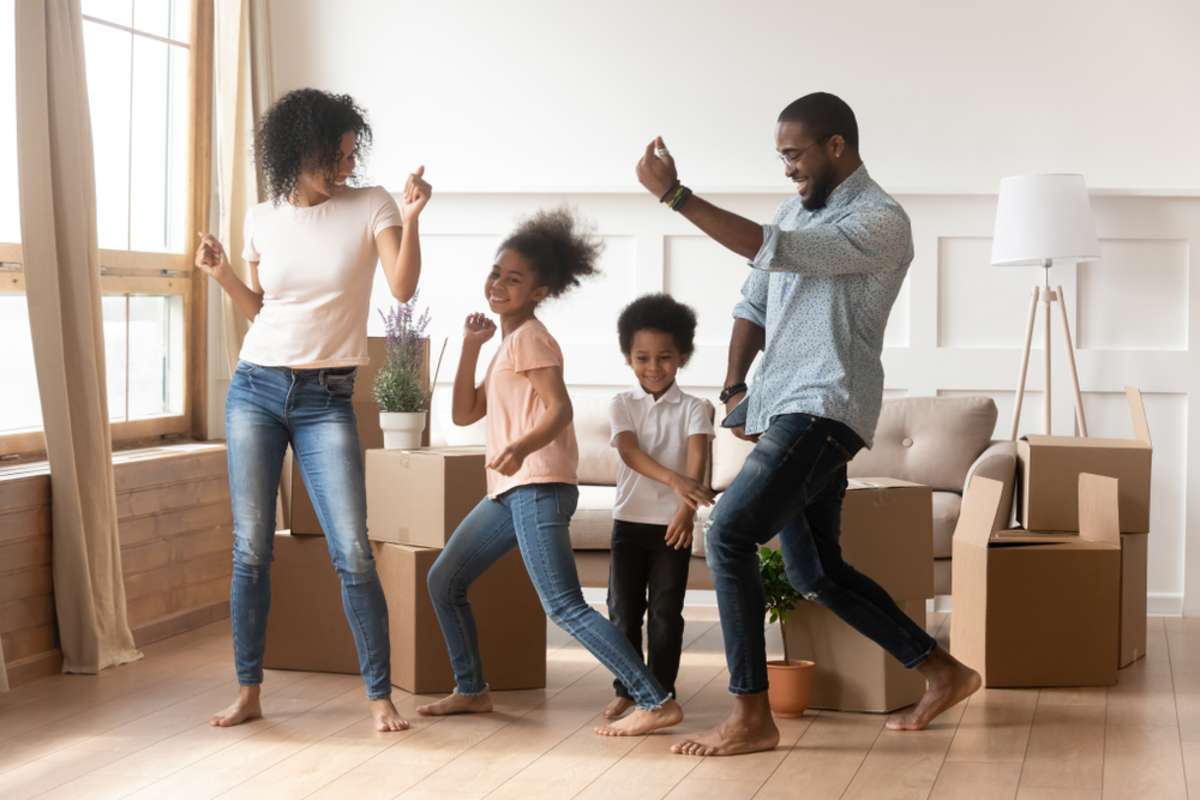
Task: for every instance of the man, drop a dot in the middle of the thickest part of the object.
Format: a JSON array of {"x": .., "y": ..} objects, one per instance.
[{"x": 824, "y": 276}]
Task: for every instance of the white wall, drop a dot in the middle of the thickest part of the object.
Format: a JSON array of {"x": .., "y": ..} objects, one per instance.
[
  {"x": 951, "y": 95},
  {"x": 512, "y": 110}
]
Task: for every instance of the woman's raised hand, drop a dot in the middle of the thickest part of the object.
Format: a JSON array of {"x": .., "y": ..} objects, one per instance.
[
  {"x": 211, "y": 258},
  {"x": 417, "y": 192}
]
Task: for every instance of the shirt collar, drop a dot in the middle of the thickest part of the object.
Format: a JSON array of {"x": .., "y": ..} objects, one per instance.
[
  {"x": 672, "y": 395},
  {"x": 845, "y": 192}
]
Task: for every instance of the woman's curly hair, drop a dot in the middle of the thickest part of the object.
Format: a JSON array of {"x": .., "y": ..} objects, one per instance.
[
  {"x": 303, "y": 131},
  {"x": 557, "y": 247}
]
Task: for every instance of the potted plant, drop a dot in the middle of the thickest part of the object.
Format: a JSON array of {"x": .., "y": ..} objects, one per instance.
[
  {"x": 403, "y": 401},
  {"x": 790, "y": 682}
]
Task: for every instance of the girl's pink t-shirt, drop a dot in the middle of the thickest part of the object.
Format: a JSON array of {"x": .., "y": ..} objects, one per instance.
[{"x": 514, "y": 408}]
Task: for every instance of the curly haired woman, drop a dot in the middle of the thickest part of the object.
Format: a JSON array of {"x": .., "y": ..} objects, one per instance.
[{"x": 312, "y": 250}]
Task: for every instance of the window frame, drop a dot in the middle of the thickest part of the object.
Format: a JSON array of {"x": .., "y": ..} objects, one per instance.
[{"x": 133, "y": 272}]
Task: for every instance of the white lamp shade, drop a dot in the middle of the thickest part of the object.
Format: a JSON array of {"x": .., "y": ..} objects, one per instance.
[{"x": 1043, "y": 217}]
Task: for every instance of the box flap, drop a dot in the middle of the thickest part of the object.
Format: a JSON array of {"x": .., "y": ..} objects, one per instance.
[
  {"x": 980, "y": 512},
  {"x": 1090, "y": 442},
  {"x": 1099, "y": 509},
  {"x": 1137, "y": 410},
  {"x": 880, "y": 483}
]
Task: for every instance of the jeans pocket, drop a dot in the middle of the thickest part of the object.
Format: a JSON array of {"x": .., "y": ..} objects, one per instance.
[{"x": 340, "y": 385}]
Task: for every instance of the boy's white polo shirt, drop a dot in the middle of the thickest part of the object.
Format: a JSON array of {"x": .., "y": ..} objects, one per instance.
[{"x": 662, "y": 428}]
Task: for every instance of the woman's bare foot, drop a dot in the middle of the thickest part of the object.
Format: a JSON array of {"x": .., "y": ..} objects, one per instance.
[
  {"x": 947, "y": 683},
  {"x": 617, "y": 707},
  {"x": 387, "y": 718},
  {"x": 244, "y": 709},
  {"x": 749, "y": 729},
  {"x": 458, "y": 704},
  {"x": 644, "y": 721}
]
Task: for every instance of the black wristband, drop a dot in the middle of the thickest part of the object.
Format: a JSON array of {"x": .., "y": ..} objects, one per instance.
[
  {"x": 680, "y": 198},
  {"x": 730, "y": 391},
  {"x": 667, "y": 194}
]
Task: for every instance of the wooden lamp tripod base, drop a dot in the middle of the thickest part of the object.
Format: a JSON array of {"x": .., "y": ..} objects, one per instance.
[{"x": 1048, "y": 297}]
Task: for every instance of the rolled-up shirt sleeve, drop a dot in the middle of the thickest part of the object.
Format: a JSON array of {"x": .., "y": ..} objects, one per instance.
[
  {"x": 753, "y": 305},
  {"x": 873, "y": 239}
]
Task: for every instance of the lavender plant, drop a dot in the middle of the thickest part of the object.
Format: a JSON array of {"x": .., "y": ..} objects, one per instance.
[{"x": 398, "y": 383}]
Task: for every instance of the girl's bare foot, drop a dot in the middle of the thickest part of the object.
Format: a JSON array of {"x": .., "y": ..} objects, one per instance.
[
  {"x": 947, "y": 683},
  {"x": 644, "y": 721},
  {"x": 617, "y": 707},
  {"x": 749, "y": 729},
  {"x": 387, "y": 718},
  {"x": 244, "y": 709},
  {"x": 458, "y": 704}
]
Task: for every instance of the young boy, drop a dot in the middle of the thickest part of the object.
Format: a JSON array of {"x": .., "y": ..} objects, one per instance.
[{"x": 663, "y": 437}]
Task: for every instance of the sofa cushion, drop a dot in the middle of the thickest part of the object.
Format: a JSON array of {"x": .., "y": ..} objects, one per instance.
[
  {"x": 946, "y": 506},
  {"x": 591, "y": 527},
  {"x": 928, "y": 440},
  {"x": 729, "y": 453},
  {"x": 597, "y": 458}
]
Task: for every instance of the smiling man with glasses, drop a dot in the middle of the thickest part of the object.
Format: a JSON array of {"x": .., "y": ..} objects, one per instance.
[{"x": 824, "y": 275}]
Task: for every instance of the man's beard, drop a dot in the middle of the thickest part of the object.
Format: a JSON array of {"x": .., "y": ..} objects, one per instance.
[{"x": 822, "y": 187}]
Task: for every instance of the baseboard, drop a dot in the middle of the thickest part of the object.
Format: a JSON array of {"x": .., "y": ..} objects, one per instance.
[
  {"x": 598, "y": 596},
  {"x": 30, "y": 668},
  {"x": 1164, "y": 604},
  {"x": 182, "y": 622}
]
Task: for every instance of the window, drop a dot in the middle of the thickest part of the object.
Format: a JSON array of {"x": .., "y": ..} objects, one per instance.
[{"x": 137, "y": 58}]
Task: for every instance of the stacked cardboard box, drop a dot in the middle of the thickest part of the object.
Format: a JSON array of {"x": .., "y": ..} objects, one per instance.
[
  {"x": 299, "y": 516},
  {"x": 887, "y": 534},
  {"x": 418, "y": 497},
  {"x": 1035, "y": 609},
  {"x": 1050, "y": 470}
]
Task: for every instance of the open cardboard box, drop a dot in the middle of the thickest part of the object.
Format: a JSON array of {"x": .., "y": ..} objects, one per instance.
[
  {"x": 418, "y": 497},
  {"x": 1051, "y": 466},
  {"x": 1033, "y": 609}
]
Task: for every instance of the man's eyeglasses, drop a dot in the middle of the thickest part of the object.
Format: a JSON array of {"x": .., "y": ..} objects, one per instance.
[{"x": 791, "y": 161}]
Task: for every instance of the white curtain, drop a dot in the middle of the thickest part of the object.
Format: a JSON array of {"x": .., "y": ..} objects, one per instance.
[{"x": 62, "y": 278}]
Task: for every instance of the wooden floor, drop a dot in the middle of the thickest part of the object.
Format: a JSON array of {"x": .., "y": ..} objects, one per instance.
[{"x": 139, "y": 731}]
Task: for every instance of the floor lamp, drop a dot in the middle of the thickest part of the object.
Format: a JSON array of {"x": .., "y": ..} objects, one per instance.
[{"x": 1041, "y": 219}]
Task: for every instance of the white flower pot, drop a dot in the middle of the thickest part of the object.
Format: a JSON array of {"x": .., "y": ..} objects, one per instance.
[{"x": 402, "y": 430}]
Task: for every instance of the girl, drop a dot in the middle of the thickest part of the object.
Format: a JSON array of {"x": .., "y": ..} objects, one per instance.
[
  {"x": 531, "y": 474},
  {"x": 312, "y": 251}
]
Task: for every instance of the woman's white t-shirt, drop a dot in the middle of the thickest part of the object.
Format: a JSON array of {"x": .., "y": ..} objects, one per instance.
[{"x": 316, "y": 265}]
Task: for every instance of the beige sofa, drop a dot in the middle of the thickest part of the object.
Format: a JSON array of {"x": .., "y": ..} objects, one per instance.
[{"x": 936, "y": 441}]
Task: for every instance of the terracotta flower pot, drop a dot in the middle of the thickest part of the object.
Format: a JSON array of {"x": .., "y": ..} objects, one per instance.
[{"x": 790, "y": 687}]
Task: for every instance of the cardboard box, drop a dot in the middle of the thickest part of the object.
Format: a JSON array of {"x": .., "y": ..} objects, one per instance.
[
  {"x": 852, "y": 673},
  {"x": 1051, "y": 466},
  {"x": 299, "y": 516},
  {"x": 418, "y": 497},
  {"x": 1134, "y": 562},
  {"x": 887, "y": 533},
  {"x": 308, "y": 628},
  {"x": 508, "y": 616},
  {"x": 1032, "y": 609}
]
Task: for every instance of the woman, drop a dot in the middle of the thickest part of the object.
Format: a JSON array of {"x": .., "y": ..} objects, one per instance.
[{"x": 312, "y": 250}]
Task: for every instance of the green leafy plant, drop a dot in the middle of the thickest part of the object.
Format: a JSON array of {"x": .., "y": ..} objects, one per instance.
[
  {"x": 780, "y": 595},
  {"x": 398, "y": 383}
]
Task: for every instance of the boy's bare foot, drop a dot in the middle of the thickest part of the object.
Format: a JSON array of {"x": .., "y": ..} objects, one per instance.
[
  {"x": 387, "y": 718},
  {"x": 617, "y": 707},
  {"x": 947, "y": 683},
  {"x": 644, "y": 721},
  {"x": 458, "y": 704},
  {"x": 244, "y": 709},
  {"x": 749, "y": 729}
]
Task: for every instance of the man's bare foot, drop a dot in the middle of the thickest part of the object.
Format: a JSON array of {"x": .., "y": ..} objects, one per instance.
[
  {"x": 644, "y": 721},
  {"x": 947, "y": 682},
  {"x": 617, "y": 707},
  {"x": 244, "y": 709},
  {"x": 458, "y": 704},
  {"x": 749, "y": 729},
  {"x": 387, "y": 718}
]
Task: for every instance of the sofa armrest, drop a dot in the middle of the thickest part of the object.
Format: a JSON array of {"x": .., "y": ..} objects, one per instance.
[{"x": 998, "y": 462}]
